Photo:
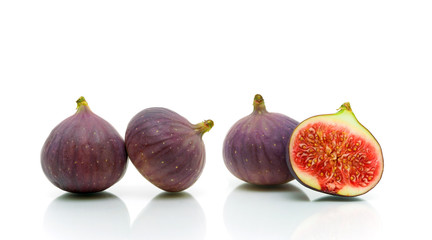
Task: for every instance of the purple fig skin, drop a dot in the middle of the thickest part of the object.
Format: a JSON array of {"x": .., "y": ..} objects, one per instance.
[
  {"x": 84, "y": 153},
  {"x": 254, "y": 149},
  {"x": 166, "y": 148}
]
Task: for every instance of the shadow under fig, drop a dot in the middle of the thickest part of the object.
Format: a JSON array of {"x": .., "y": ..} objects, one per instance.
[
  {"x": 170, "y": 216},
  {"x": 87, "y": 216},
  {"x": 171, "y": 195},
  {"x": 85, "y": 196},
  {"x": 332, "y": 198},
  {"x": 288, "y": 190}
]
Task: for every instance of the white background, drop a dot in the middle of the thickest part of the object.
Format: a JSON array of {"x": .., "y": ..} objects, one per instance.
[{"x": 206, "y": 60}]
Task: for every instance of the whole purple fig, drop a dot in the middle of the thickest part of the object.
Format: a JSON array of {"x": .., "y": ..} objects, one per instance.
[
  {"x": 166, "y": 148},
  {"x": 254, "y": 149},
  {"x": 84, "y": 153}
]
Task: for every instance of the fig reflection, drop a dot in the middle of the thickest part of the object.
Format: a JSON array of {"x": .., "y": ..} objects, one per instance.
[
  {"x": 285, "y": 212},
  {"x": 340, "y": 218},
  {"x": 265, "y": 212},
  {"x": 87, "y": 216},
  {"x": 170, "y": 216}
]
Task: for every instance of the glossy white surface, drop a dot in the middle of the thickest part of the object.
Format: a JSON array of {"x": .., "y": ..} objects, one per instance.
[{"x": 207, "y": 59}]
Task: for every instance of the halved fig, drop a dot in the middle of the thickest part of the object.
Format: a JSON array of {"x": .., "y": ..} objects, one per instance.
[{"x": 335, "y": 154}]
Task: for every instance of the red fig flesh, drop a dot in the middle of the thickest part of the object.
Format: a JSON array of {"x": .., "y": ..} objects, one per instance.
[
  {"x": 84, "y": 153},
  {"x": 335, "y": 154},
  {"x": 254, "y": 149},
  {"x": 166, "y": 148}
]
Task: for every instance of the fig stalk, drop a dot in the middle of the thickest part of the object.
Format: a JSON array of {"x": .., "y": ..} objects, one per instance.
[
  {"x": 203, "y": 127},
  {"x": 258, "y": 104}
]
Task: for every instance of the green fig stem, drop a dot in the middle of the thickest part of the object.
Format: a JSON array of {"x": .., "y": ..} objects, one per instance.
[
  {"x": 345, "y": 112},
  {"x": 345, "y": 106},
  {"x": 204, "y": 126},
  {"x": 82, "y": 104},
  {"x": 259, "y": 106}
]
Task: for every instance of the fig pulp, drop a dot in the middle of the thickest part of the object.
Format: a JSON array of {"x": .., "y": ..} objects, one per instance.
[
  {"x": 166, "y": 148},
  {"x": 335, "y": 154},
  {"x": 254, "y": 149},
  {"x": 84, "y": 153}
]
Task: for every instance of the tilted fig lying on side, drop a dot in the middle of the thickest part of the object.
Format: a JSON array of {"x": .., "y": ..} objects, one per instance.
[{"x": 166, "y": 148}]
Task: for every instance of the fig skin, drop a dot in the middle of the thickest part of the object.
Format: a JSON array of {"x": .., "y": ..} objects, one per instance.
[
  {"x": 348, "y": 165},
  {"x": 84, "y": 153},
  {"x": 166, "y": 148},
  {"x": 254, "y": 149}
]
